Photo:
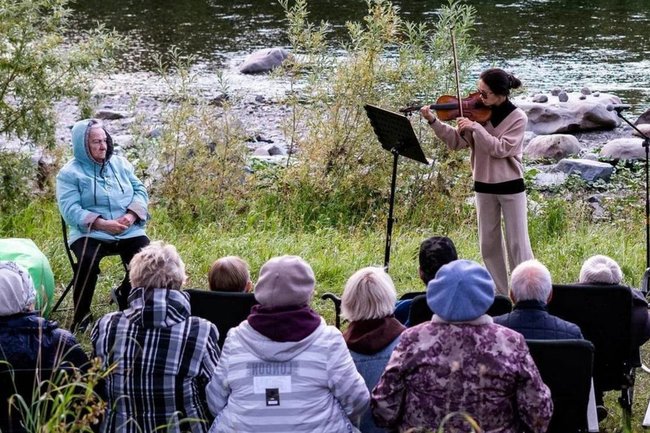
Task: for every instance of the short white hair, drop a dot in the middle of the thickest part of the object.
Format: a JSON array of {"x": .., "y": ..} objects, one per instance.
[
  {"x": 531, "y": 281},
  {"x": 601, "y": 269},
  {"x": 157, "y": 266},
  {"x": 368, "y": 294}
]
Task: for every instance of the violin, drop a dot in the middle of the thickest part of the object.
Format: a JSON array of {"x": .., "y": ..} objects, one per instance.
[{"x": 448, "y": 108}]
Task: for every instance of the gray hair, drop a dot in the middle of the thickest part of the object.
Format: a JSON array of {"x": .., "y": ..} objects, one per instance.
[
  {"x": 531, "y": 281},
  {"x": 368, "y": 294},
  {"x": 157, "y": 266},
  {"x": 601, "y": 269}
]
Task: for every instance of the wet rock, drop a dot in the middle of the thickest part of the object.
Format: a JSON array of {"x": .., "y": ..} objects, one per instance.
[
  {"x": 624, "y": 148},
  {"x": 263, "y": 60},
  {"x": 555, "y": 146},
  {"x": 556, "y": 91},
  {"x": 585, "y": 91},
  {"x": 563, "y": 96},
  {"x": 583, "y": 97},
  {"x": 540, "y": 98},
  {"x": 590, "y": 171}
]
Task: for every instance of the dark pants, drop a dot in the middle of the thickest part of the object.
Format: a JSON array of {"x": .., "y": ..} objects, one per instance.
[{"x": 90, "y": 252}]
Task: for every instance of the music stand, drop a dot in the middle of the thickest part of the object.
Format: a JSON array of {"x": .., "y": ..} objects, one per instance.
[{"x": 395, "y": 134}]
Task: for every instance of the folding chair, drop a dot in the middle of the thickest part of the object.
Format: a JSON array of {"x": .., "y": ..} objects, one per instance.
[
  {"x": 420, "y": 311},
  {"x": 603, "y": 313},
  {"x": 225, "y": 309},
  {"x": 566, "y": 368},
  {"x": 73, "y": 265}
]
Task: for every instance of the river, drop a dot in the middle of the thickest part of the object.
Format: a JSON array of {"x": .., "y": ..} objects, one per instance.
[{"x": 601, "y": 44}]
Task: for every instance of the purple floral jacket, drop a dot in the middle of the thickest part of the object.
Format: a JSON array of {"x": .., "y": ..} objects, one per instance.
[{"x": 477, "y": 367}]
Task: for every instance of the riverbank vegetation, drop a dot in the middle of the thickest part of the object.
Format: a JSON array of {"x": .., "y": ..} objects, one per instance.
[{"x": 328, "y": 203}]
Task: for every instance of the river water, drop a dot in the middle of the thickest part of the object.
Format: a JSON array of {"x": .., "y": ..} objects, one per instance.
[{"x": 602, "y": 44}]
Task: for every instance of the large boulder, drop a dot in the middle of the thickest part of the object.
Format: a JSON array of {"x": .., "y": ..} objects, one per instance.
[
  {"x": 556, "y": 146},
  {"x": 587, "y": 169},
  {"x": 264, "y": 60},
  {"x": 644, "y": 118},
  {"x": 629, "y": 148},
  {"x": 644, "y": 128},
  {"x": 579, "y": 113}
]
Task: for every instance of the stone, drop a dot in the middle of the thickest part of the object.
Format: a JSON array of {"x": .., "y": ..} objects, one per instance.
[
  {"x": 556, "y": 91},
  {"x": 583, "y": 97},
  {"x": 590, "y": 171},
  {"x": 644, "y": 128},
  {"x": 572, "y": 115},
  {"x": 563, "y": 96},
  {"x": 547, "y": 180},
  {"x": 630, "y": 148},
  {"x": 540, "y": 98},
  {"x": 269, "y": 150},
  {"x": 585, "y": 91},
  {"x": 106, "y": 114},
  {"x": 262, "y": 61},
  {"x": 643, "y": 118},
  {"x": 555, "y": 146}
]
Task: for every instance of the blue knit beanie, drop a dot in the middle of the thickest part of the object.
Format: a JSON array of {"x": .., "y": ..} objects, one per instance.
[{"x": 462, "y": 291}]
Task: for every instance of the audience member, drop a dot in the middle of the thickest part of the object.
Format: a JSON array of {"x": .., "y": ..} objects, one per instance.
[
  {"x": 105, "y": 206},
  {"x": 160, "y": 357},
  {"x": 230, "y": 274},
  {"x": 434, "y": 252},
  {"x": 367, "y": 303},
  {"x": 27, "y": 340},
  {"x": 531, "y": 289},
  {"x": 462, "y": 361},
  {"x": 601, "y": 269},
  {"x": 284, "y": 369}
]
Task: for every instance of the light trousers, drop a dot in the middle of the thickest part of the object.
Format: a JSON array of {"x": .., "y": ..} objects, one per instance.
[{"x": 512, "y": 210}]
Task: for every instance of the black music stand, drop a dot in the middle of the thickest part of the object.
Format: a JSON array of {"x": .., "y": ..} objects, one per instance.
[{"x": 395, "y": 134}]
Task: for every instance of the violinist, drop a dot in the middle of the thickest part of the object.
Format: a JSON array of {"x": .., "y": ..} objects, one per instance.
[{"x": 496, "y": 158}]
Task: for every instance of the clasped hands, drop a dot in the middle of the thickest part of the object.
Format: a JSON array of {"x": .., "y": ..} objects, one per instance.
[{"x": 115, "y": 226}]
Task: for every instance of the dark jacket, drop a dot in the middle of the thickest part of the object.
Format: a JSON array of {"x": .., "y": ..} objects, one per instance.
[
  {"x": 531, "y": 319},
  {"x": 27, "y": 339}
]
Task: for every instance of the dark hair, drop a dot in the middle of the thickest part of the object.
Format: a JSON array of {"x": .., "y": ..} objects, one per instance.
[
  {"x": 434, "y": 253},
  {"x": 499, "y": 81}
]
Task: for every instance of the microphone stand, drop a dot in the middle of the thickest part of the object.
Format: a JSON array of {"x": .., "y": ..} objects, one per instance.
[{"x": 645, "y": 281}]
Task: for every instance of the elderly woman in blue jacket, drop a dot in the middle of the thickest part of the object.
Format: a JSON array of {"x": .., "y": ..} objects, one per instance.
[{"x": 105, "y": 206}]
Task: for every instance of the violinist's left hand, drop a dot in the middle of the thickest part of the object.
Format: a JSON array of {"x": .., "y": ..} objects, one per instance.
[{"x": 464, "y": 124}]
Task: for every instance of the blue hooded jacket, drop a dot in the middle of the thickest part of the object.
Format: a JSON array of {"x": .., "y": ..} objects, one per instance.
[{"x": 87, "y": 189}]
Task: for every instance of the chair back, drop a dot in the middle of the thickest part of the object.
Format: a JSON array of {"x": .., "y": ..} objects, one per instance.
[
  {"x": 603, "y": 313},
  {"x": 420, "y": 311},
  {"x": 17, "y": 384},
  {"x": 225, "y": 309},
  {"x": 565, "y": 367}
]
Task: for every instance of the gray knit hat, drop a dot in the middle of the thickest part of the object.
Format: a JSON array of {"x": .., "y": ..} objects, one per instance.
[{"x": 285, "y": 281}]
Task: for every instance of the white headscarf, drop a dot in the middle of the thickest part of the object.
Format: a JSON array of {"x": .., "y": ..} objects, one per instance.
[{"x": 17, "y": 293}]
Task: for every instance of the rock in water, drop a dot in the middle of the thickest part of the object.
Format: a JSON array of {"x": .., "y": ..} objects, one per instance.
[{"x": 263, "y": 60}]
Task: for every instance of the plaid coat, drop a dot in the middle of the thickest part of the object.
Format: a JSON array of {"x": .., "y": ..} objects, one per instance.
[{"x": 162, "y": 360}]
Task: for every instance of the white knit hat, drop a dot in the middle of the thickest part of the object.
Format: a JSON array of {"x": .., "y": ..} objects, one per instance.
[
  {"x": 17, "y": 293},
  {"x": 601, "y": 270}
]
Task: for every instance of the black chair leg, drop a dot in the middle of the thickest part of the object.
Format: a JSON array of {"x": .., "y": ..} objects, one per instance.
[{"x": 63, "y": 295}]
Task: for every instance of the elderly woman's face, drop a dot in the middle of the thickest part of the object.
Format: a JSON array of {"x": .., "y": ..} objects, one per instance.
[{"x": 97, "y": 144}]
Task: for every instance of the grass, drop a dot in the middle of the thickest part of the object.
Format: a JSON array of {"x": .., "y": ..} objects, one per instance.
[{"x": 560, "y": 236}]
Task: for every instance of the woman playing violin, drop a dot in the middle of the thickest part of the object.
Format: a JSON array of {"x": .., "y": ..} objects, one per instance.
[{"x": 496, "y": 158}]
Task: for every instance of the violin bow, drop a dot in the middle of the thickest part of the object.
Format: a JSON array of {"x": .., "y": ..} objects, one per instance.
[{"x": 453, "y": 51}]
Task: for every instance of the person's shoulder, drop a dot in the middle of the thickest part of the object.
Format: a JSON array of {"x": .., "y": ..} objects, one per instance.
[{"x": 69, "y": 168}]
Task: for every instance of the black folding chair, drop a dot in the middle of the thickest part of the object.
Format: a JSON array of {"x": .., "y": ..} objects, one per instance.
[
  {"x": 73, "y": 265},
  {"x": 566, "y": 368},
  {"x": 225, "y": 309},
  {"x": 603, "y": 313},
  {"x": 420, "y": 311}
]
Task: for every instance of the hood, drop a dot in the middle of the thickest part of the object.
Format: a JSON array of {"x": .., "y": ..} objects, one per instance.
[
  {"x": 269, "y": 350},
  {"x": 30, "y": 320},
  {"x": 157, "y": 308},
  {"x": 80, "y": 146}
]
